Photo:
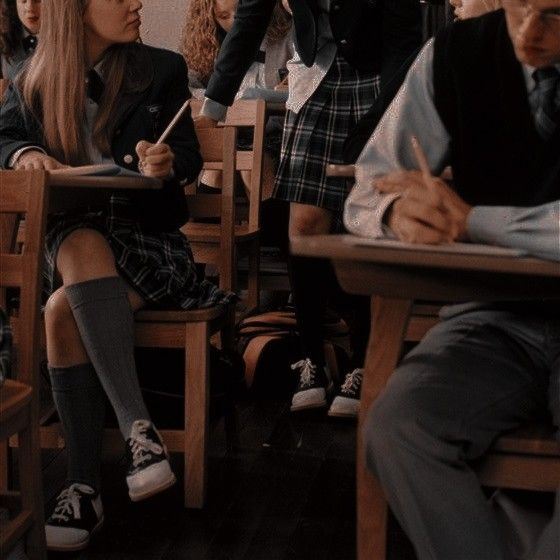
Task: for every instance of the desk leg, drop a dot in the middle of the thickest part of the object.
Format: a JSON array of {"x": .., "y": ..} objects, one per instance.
[{"x": 389, "y": 322}]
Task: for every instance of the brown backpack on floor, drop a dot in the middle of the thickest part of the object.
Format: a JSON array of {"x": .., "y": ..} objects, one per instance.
[{"x": 270, "y": 344}]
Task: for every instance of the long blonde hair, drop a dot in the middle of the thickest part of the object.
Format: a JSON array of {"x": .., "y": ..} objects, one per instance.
[
  {"x": 200, "y": 44},
  {"x": 54, "y": 88}
]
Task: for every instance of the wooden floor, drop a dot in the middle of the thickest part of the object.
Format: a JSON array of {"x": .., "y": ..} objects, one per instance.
[{"x": 287, "y": 492}]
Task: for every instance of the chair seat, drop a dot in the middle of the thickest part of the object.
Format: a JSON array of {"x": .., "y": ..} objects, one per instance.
[
  {"x": 210, "y": 233},
  {"x": 178, "y": 316},
  {"x": 14, "y": 396},
  {"x": 531, "y": 439}
]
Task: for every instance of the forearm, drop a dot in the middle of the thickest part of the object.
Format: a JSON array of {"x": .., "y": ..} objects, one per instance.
[
  {"x": 535, "y": 230},
  {"x": 238, "y": 49}
]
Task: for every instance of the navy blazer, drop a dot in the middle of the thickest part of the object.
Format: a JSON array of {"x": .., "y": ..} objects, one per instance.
[
  {"x": 372, "y": 35},
  {"x": 155, "y": 87}
]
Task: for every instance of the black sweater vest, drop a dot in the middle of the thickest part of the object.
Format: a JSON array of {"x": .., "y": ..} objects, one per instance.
[{"x": 480, "y": 93}]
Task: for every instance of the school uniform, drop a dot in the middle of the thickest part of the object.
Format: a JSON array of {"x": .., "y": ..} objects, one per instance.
[
  {"x": 344, "y": 51},
  {"x": 9, "y": 67},
  {"x": 142, "y": 228}
]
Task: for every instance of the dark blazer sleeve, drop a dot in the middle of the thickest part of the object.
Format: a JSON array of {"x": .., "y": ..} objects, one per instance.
[
  {"x": 239, "y": 48},
  {"x": 18, "y": 129},
  {"x": 402, "y": 35}
]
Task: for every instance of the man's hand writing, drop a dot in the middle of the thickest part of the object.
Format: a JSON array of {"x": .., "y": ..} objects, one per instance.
[{"x": 424, "y": 213}]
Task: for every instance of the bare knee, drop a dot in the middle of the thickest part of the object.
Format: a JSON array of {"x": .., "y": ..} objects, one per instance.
[
  {"x": 306, "y": 219},
  {"x": 84, "y": 255},
  {"x": 59, "y": 319}
]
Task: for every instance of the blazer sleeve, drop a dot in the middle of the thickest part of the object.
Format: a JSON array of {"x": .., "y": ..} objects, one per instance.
[
  {"x": 402, "y": 35},
  {"x": 17, "y": 128},
  {"x": 239, "y": 48}
]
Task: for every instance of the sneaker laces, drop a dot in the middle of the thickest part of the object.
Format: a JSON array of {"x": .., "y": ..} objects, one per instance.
[
  {"x": 142, "y": 446},
  {"x": 352, "y": 381},
  {"x": 68, "y": 502},
  {"x": 307, "y": 371}
]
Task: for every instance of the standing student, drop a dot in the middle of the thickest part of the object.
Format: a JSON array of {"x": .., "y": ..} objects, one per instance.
[
  {"x": 485, "y": 368},
  {"x": 20, "y": 21},
  {"x": 207, "y": 23},
  {"x": 91, "y": 94},
  {"x": 344, "y": 50}
]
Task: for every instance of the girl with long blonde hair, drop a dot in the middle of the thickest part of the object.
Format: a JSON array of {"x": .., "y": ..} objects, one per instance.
[{"x": 92, "y": 94}]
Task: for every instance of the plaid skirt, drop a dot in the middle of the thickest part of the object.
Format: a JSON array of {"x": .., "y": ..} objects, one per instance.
[
  {"x": 315, "y": 137},
  {"x": 158, "y": 265}
]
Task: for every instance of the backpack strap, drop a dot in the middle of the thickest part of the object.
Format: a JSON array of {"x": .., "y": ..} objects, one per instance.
[{"x": 252, "y": 354}]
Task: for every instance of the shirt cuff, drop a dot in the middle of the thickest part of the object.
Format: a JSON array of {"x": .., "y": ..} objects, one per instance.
[
  {"x": 485, "y": 224},
  {"x": 18, "y": 153},
  {"x": 213, "y": 109},
  {"x": 367, "y": 221}
]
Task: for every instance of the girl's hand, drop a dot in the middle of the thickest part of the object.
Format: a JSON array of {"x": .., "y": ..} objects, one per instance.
[
  {"x": 34, "y": 159},
  {"x": 156, "y": 160}
]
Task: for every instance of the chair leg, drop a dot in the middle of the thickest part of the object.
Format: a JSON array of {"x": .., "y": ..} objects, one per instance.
[
  {"x": 197, "y": 365},
  {"x": 4, "y": 462},
  {"x": 253, "y": 280},
  {"x": 31, "y": 489}
]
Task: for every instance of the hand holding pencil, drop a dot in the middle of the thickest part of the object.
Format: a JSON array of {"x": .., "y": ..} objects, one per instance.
[
  {"x": 427, "y": 210},
  {"x": 156, "y": 160}
]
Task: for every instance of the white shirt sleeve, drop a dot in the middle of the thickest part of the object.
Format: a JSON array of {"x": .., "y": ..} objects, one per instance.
[
  {"x": 535, "y": 229},
  {"x": 389, "y": 148}
]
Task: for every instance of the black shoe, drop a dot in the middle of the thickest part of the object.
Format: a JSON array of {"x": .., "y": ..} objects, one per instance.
[
  {"x": 313, "y": 386},
  {"x": 77, "y": 515},
  {"x": 347, "y": 402},
  {"x": 149, "y": 471}
]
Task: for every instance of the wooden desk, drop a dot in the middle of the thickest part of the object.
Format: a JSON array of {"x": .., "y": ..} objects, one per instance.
[
  {"x": 394, "y": 278},
  {"x": 68, "y": 191}
]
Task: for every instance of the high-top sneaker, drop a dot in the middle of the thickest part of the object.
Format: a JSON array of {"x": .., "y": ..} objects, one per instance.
[
  {"x": 77, "y": 515},
  {"x": 313, "y": 385},
  {"x": 347, "y": 403},
  {"x": 149, "y": 471}
]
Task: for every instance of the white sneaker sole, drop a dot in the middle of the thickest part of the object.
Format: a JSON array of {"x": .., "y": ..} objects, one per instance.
[
  {"x": 308, "y": 406},
  {"x": 344, "y": 407},
  {"x": 75, "y": 547},
  {"x": 164, "y": 485}
]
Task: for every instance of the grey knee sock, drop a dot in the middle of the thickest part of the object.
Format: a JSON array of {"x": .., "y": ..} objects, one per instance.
[
  {"x": 106, "y": 324},
  {"x": 80, "y": 401}
]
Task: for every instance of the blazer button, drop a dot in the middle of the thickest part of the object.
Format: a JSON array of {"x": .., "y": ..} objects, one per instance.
[
  {"x": 343, "y": 42},
  {"x": 335, "y": 7},
  {"x": 128, "y": 159}
]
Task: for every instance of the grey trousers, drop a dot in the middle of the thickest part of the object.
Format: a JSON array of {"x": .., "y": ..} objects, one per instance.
[{"x": 474, "y": 376}]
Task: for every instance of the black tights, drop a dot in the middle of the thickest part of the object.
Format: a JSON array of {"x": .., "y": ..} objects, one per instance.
[{"x": 313, "y": 283}]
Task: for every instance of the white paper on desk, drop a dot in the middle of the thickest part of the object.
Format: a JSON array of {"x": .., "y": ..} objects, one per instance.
[
  {"x": 457, "y": 248},
  {"x": 101, "y": 170}
]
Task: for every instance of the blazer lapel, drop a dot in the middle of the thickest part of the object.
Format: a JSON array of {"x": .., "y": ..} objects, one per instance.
[{"x": 139, "y": 76}]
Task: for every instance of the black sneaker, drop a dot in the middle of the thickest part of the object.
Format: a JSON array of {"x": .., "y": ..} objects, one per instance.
[
  {"x": 347, "y": 402},
  {"x": 77, "y": 515},
  {"x": 149, "y": 471},
  {"x": 313, "y": 386}
]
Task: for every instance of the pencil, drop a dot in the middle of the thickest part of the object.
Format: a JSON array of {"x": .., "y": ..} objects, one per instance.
[
  {"x": 173, "y": 122},
  {"x": 422, "y": 162}
]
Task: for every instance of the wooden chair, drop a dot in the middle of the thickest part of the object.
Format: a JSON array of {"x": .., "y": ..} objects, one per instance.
[
  {"x": 24, "y": 193},
  {"x": 190, "y": 331},
  {"x": 207, "y": 239},
  {"x": 527, "y": 458},
  {"x": 4, "y": 83}
]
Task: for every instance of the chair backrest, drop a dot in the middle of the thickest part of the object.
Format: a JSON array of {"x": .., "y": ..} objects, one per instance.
[
  {"x": 218, "y": 150},
  {"x": 247, "y": 113},
  {"x": 24, "y": 193},
  {"x": 4, "y": 83}
]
